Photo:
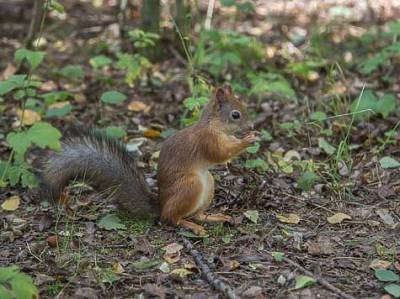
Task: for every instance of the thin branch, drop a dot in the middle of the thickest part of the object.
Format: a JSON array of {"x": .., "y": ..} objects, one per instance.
[
  {"x": 209, "y": 276},
  {"x": 210, "y": 11}
]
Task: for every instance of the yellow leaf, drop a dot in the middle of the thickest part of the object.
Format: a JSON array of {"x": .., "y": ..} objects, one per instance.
[
  {"x": 11, "y": 204},
  {"x": 290, "y": 218},
  {"x": 338, "y": 218},
  {"x": 150, "y": 133},
  {"x": 137, "y": 106},
  {"x": 181, "y": 272},
  {"x": 117, "y": 268},
  {"x": 28, "y": 117}
]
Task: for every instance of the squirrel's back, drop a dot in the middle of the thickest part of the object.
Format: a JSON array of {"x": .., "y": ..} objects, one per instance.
[{"x": 102, "y": 162}]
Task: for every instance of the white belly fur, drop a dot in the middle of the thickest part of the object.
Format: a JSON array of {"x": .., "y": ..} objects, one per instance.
[{"x": 203, "y": 176}]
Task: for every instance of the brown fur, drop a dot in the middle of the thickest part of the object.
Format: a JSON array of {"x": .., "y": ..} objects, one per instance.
[
  {"x": 194, "y": 150},
  {"x": 186, "y": 186}
]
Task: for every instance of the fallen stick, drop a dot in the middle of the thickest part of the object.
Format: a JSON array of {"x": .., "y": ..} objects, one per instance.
[
  {"x": 210, "y": 277},
  {"x": 322, "y": 281}
]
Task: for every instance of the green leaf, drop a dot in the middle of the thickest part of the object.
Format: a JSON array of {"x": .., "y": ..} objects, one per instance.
[
  {"x": 19, "y": 142},
  {"x": 143, "y": 265},
  {"x": 386, "y": 105},
  {"x": 100, "y": 61},
  {"x": 115, "y": 132},
  {"x": 393, "y": 289},
  {"x": 34, "y": 58},
  {"x": 318, "y": 116},
  {"x": 28, "y": 179},
  {"x": 386, "y": 275},
  {"x": 15, "y": 81},
  {"x": 73, "y": 72},
  {"x": 256, "y": 163},
  {"x": 193, "y": 103},
  {"x": 59, "y": 112},
  {"x": 265, "y": 135},
  {"x": 325, "y": 146},
  {"x": 389, "y": 162},
  {"x": 252, "y": 215},
  {"x": 110, "y": 222},
  {"x": 57, "y": 6},
  {"x": 56, "y": 96},
  {"x": 364, "y": 103},
  {"x": 303, "y": 281},
  {"x": 113, "y": 97},
  {"x": 253, "y": 148},
  {"x": 278, "y": 256},
  {"x": 16, "y": 285},
  {"x": 44, "y": 135},
  {"x": 307, "y": 180}
]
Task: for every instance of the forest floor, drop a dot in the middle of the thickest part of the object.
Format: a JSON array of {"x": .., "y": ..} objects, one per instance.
[{"x": 278, "y": 230}]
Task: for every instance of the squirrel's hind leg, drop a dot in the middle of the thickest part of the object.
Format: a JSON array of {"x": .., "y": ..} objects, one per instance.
[{"x": 219, "y": 217}]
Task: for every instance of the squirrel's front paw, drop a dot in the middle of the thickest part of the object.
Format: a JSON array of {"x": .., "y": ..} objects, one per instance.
[{"x": 250, "y": 138}]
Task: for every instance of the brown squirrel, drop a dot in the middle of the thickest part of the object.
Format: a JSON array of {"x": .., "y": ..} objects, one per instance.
[{"x": 186, "y": 187}]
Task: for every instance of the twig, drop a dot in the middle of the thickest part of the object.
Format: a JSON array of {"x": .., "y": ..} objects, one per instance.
[
  {"x": 210, "y": 277},
  {"x": 321, "y": 280}
]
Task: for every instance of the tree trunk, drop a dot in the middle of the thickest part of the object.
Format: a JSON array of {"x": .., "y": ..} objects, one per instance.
[{"x": 150, "y": 15}]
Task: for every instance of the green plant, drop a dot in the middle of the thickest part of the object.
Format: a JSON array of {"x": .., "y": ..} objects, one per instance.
[
  {"x": 16, "y": 285},
  {"x": 22, "y": 88}
]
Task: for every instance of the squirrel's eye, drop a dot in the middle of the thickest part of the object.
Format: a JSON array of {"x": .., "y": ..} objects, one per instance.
[{"x": 235, "y": 114}]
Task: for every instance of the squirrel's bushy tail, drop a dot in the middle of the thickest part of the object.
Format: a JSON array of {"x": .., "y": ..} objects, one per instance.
[{"x": 102, "y": 162}]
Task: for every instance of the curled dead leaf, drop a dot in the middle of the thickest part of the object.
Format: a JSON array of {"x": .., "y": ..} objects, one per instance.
[
  {"x": 338, "y": 218},
  {"x": 138, "y": 106},
  {"x": 172, "y": 248},
  {"x": 11, "y": 203},
  {"x": 52, "y": 241},
  {"x": 58, "y": 105},
  {"x": 290, "y": 218}
]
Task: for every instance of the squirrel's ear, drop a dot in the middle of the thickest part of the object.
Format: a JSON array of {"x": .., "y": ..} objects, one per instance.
[{"x": 222, "y": 93}]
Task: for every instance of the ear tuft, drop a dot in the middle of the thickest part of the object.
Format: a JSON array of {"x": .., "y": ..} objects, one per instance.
[{"x": 223, "y": 92}]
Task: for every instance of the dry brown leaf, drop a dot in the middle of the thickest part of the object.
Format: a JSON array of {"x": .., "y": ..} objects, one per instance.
[
  {"x": 338, "y": 218},
  {"x": 172, "y": 248},
  {"x": 290, "y": 218},
  {"x": 172, "y": 258},
  {"x": 138, "y": 106},
  {"x": 151, "y": 133},
  {"x": 52, "y": 241},
  {"x": 80, "y": 98},
  {"x": 11, "y": 203},
  {"x": 29, "y": 116}
]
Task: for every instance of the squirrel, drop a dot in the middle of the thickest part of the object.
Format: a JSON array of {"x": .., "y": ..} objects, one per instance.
[{"x": 186, "y": 187}]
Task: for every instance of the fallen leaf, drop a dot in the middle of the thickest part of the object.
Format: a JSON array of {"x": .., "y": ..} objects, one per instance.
[
  {"x": 385, "y": 216},
  {"x": 338, "y": 218},
  {"x": 137, "y": 106},
  {"x": 290, "y": 218},
  {"x": 164, "y": 267},
  {"x": 117, "y": 268},
  {"x": 151, "y": 133},
  {"x": 11, "y": 204},
  {"x": 28, "y": 117},
  {"x": 252, "y": 215},
  {"x": 52, "y": 241},
  {"x": 252, "y": 292},
  {"x": 229, "y": 265},
  {"x": 181, "y": 272},
  {"x": 8, "y": 72},
  {"x": 172, "y": 258},
  {"x": 303, "y": 281},
  {"x": 379, "y": 264},
  {"x": 49, "y": 86},
  {"x": 80, "y": 98},
  {"x": 58, "y": 105},
  {"x": 172, "y": 248}
]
